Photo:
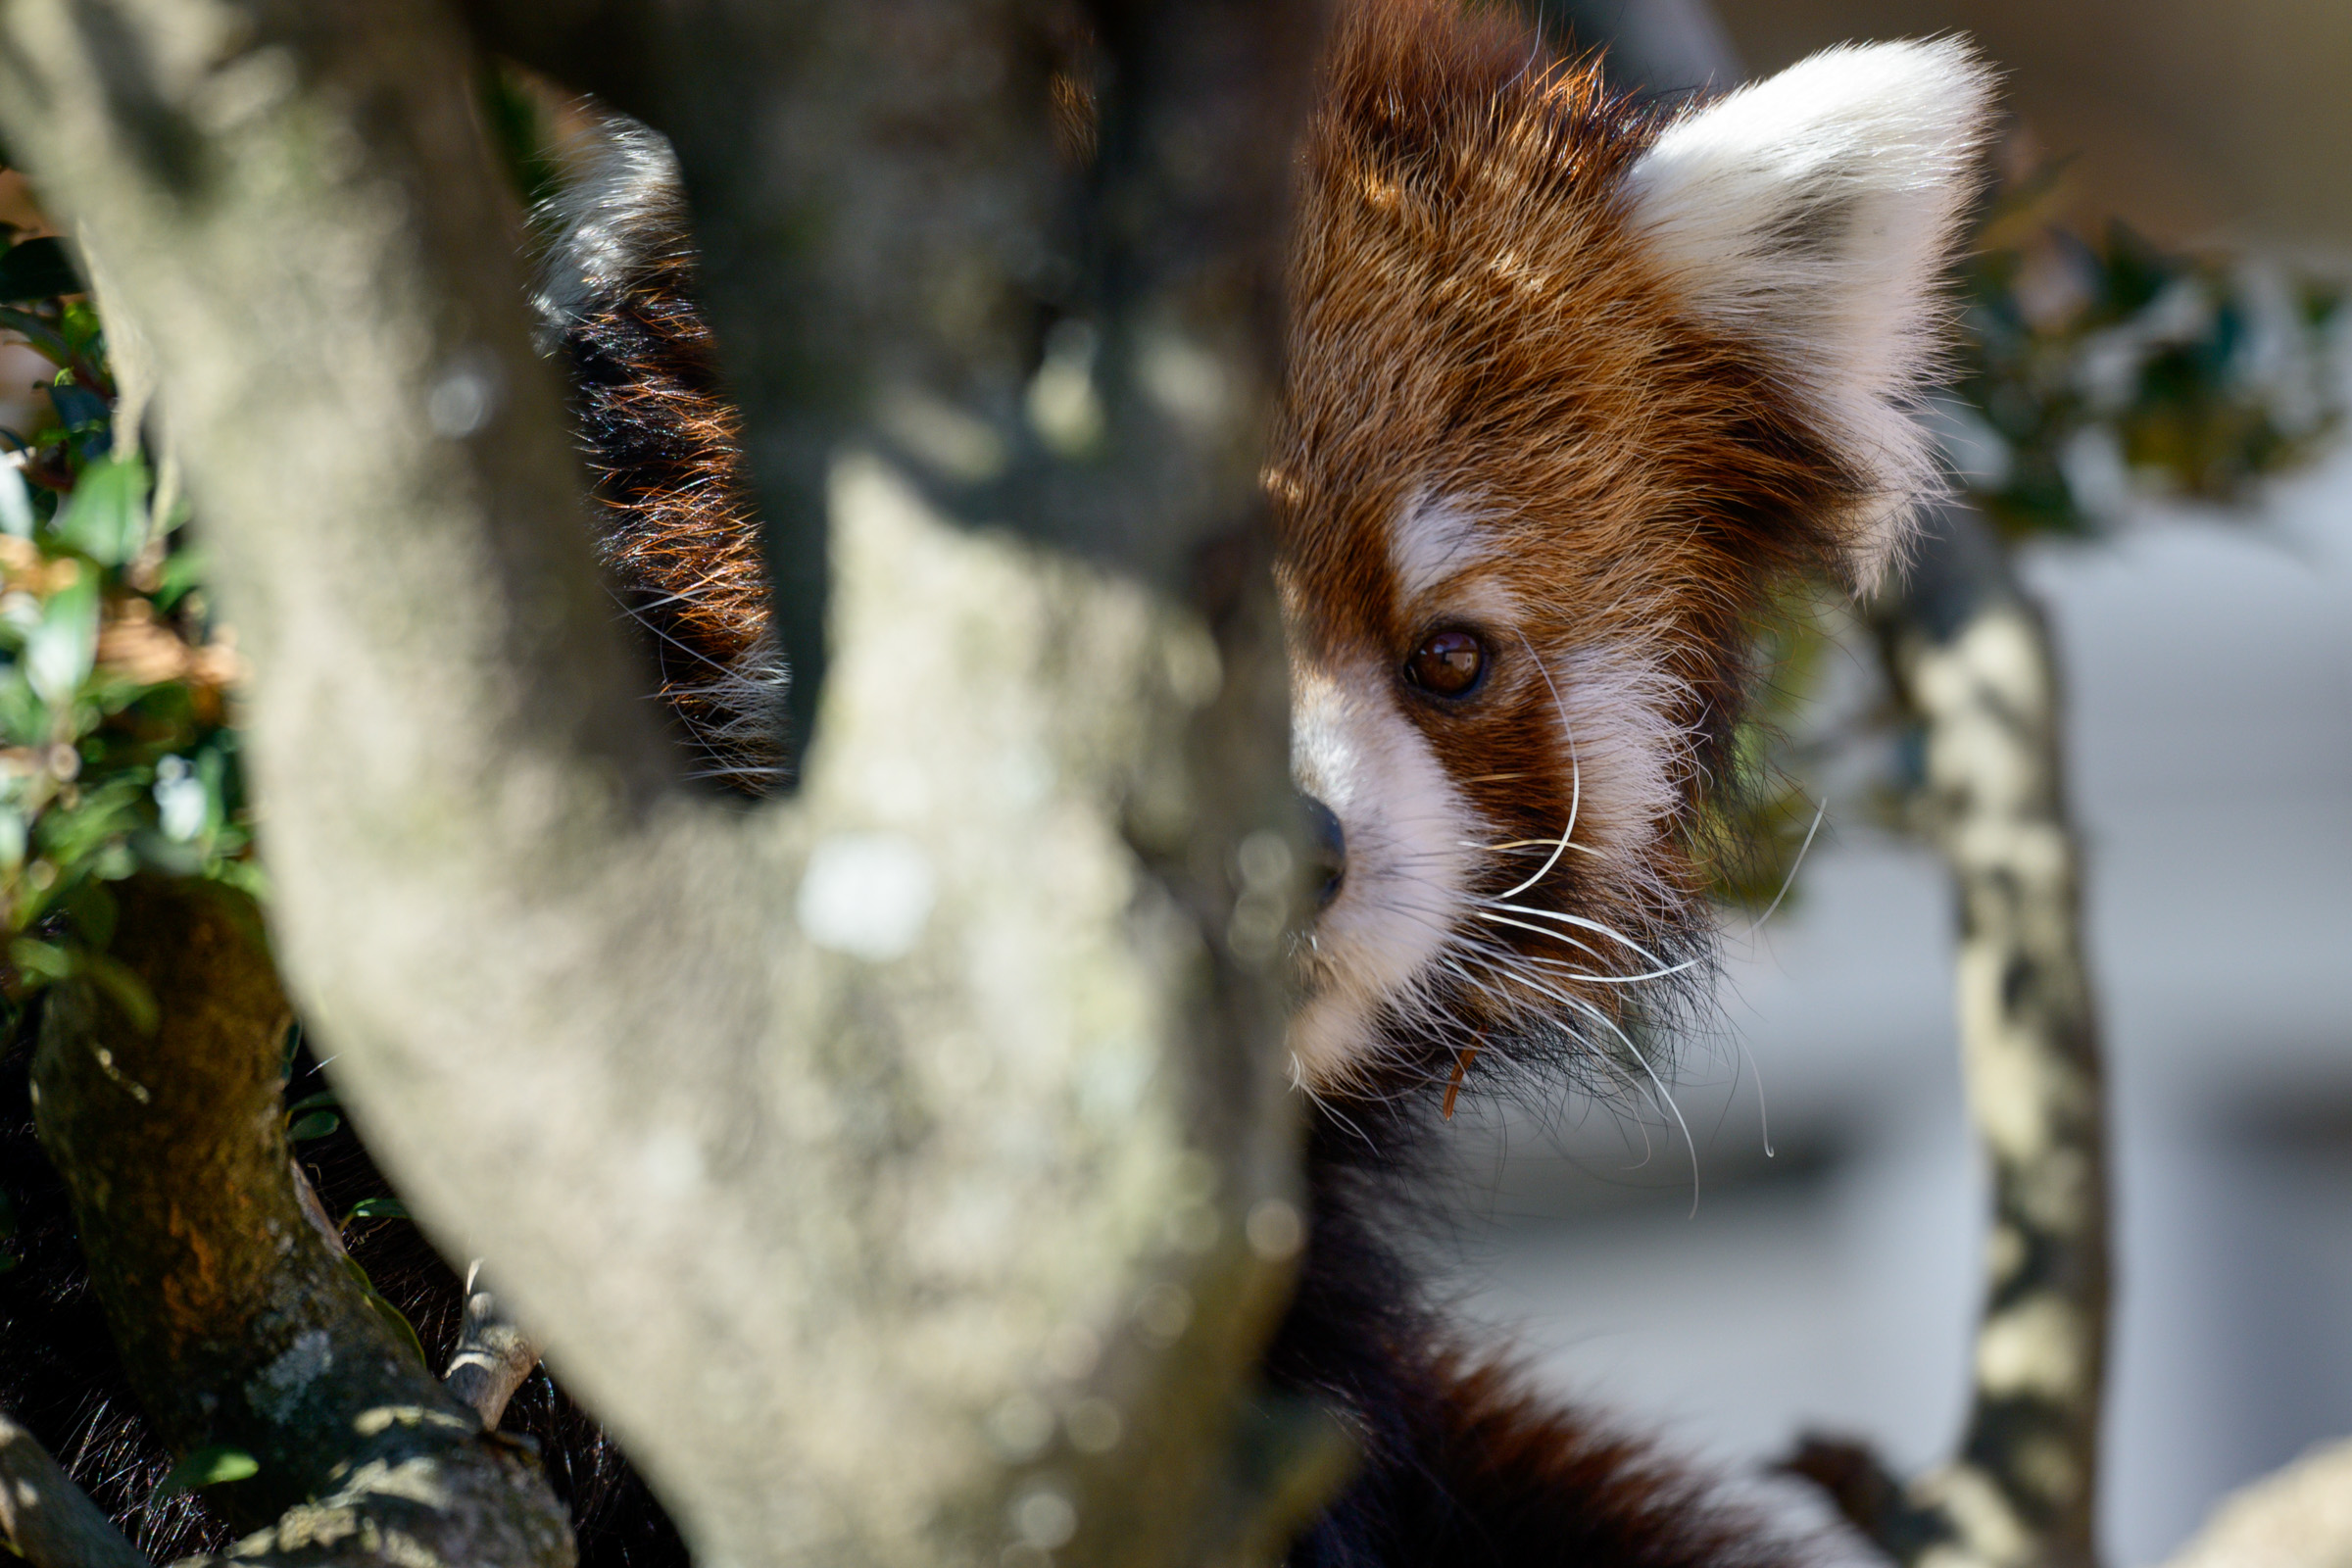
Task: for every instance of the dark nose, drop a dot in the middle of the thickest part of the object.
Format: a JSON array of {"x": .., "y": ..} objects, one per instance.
[{"x": 1328, "y": 844}]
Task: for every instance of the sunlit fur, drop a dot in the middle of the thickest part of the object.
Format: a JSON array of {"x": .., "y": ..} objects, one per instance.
[
  {"x": 676, "y": 529},
  {"x": 1584, "y": 378}
]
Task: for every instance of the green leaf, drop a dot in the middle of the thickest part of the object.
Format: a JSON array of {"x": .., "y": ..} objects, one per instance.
[
  {"x": 183, "y": 570},
  {"x": 105, "y": 516},
  {"x": 45, "y": 339},
  {"x": 85, "y": 415},
  {"x": 58, "y": 654},
  {"x": 37, "y": 269},
  {"x": 317, "y": 1125},
  {"x": 208, "y": 1466},
  {"x": 121, "y": 985},
  {"x": 92, "y": 912},
  {"x": 378, "y": 1208},
  {"x": 402, "y": 1329},
  {"x": 323, "y": 1100},
  {"x": 41, "y": 962}
]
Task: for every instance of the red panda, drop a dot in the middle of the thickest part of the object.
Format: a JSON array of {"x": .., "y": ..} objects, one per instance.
[
  {"x": 1571, "y": 384},
  {"x": 1573, "y": 381}
]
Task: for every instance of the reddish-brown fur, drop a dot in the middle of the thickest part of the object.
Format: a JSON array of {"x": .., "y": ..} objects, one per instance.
[
  {"x": 677, "y": 531},
  {"x": 1473, "y": 316}
]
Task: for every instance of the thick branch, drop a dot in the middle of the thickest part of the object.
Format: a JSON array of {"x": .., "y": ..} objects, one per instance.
[
  {"x": 800, "y": 1136},
  {"x": 239, "y": 1325}
]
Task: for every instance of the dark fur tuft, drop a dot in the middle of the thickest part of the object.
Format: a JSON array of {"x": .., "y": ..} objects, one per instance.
[{"x": 665, "y": 451}]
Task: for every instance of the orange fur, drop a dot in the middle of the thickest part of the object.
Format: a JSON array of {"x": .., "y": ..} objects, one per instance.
[
  {"x": 677, "y": 530},
  {"x": 1476, "y": 326}
]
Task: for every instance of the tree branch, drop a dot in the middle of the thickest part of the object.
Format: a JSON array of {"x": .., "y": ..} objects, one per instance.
[
  {"x": 242, "y": 1328},
  {"x": 799, "y": 1135},
  {"x": 493, "y": 1356},
  {"x": 1972, "y": 656}
]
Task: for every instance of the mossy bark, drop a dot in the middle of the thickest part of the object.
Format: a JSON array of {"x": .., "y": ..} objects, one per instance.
[
  {"x": 239, "y": 1320},
  {"x": 1975, "y": 658}
]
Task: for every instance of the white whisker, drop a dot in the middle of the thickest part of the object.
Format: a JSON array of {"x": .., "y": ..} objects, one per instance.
[
  {"x": 1626, "y": 1040},
  {"x": 1580, "y": 922},
  {"x": 1789, "y": 881},
  {"x": 1575, "y": 774}
]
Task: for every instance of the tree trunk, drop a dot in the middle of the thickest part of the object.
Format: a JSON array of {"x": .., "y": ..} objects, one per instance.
[{"x": 831, "y": 1151}]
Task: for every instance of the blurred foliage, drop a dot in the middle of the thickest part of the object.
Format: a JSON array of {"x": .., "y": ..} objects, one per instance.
[
  {"x": 115, "y": 755},
  {"x": 516, "y": 118},
  {"x": 1751, "y": 834},
  {"x": 2098, "y": 369},
  {"x": 2090, "y": 373}
]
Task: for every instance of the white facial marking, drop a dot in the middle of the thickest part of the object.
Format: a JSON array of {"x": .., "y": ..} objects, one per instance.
[
  {"x": 1629, "y": 757},
  {"x": 1414, "y": 840},
  {"x": 1436, "y": 537},
  {"x": 1410, "y": 836}
]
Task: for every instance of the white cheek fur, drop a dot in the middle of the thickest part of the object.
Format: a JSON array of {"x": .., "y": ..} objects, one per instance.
[
  {"x": 1629, "y": 760},
  {"x": 1411, "y": 839}
]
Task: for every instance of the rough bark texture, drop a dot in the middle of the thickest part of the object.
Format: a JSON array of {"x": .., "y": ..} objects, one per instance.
[{"x": 831, "y": 1151}]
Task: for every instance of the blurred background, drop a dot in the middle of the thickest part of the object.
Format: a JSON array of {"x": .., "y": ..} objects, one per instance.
[{"x": 2203, "y": 622}]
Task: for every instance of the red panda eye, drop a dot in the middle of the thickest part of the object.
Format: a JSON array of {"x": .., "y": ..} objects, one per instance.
[{"x": 1448, "y": 664}]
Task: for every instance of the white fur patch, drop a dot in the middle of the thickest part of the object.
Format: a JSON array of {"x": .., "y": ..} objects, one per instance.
[
  {"x": 1810, "y": 214},
  {"x": 1627, "y": 759},
  {"x": 627, "y": 187},
  {"x": 1435, "y": 538},
  {"x": 1409, "y": 835},
  {"x": 1414, "y": 841}
]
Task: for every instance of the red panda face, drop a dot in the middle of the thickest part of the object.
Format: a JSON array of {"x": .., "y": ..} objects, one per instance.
[{"x": 1571, "y": 385}]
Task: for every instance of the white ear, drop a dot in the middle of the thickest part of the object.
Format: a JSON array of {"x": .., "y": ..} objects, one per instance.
[{"x": 1810, "y": 215}]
